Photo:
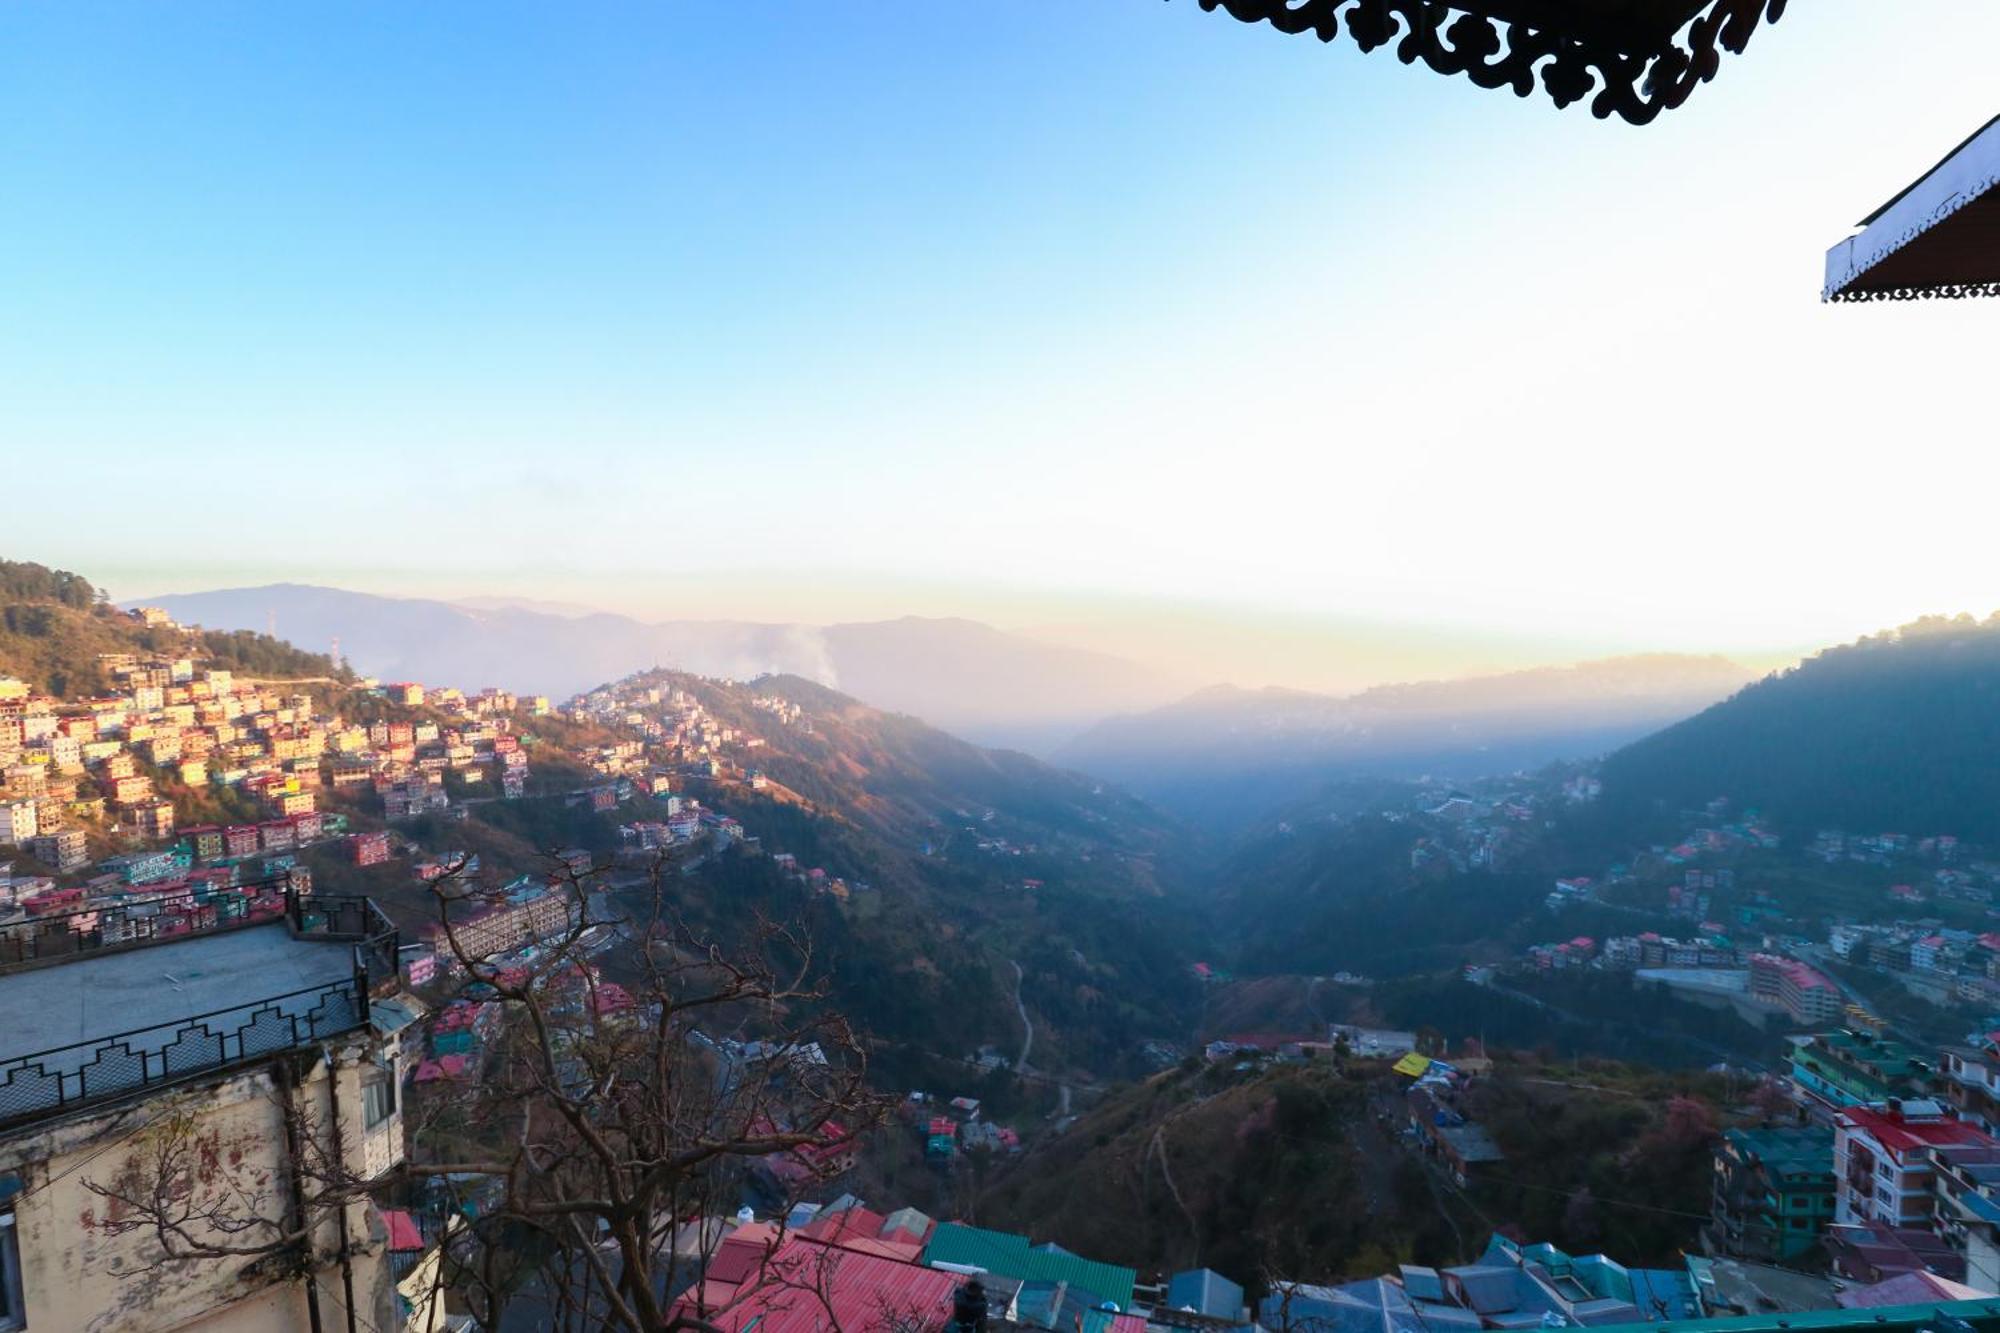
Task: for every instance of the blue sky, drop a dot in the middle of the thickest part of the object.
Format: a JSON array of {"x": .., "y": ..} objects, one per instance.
[{"x": 1022, "y": 309}]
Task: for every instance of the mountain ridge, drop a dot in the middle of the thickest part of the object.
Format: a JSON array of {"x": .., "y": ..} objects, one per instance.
[
  {"x": 961, "y": 675},
  {"x": 1893, "y": 731},
  {"x": 1258, "y": 744}
]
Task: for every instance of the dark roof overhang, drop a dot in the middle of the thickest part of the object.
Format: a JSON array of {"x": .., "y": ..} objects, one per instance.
[
  {"x": 1939, "y": 237},
  {"x": 1631, "y": 58}
]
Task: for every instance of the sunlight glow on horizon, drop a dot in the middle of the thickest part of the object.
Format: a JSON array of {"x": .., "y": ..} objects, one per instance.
[{"x": 1083, "y": 321}]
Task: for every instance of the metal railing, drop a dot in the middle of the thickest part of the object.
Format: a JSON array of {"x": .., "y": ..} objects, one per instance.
[
  {"x": 50, "y": 1082},
  {"x": 155, "y": 918},
  {"x": 341, "y": 916},
  {"x": 178, "y": 914}
]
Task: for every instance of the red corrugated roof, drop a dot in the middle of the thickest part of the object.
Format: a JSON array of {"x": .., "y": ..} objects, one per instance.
[
  {"x": 736, "y": 1259},
  {"x": 1901, "y": 1135},
  {"x": 807, "y": 1287},
  {"x": 403, "y": 1232},
  {"x": 846, "y": 1222},
  {"x": 1908, "y": 1289}
]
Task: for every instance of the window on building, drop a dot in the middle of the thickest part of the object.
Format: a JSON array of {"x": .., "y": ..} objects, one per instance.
[
  {"x": 13, "y": 1305},
  {"x": 378, "y": 1100}
]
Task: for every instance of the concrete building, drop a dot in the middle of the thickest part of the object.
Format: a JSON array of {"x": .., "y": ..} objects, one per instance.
[
  {"x": 17, "y": 823},
  {"x": 1808, "y": 996},
  {"x": 1970, "y": 1078},
  {"x": 270, "y": 1041},
  {"x": 1856, "y": 1068},
  {"x": 1773, "y": 1193},
  {"x": 526, "y": 914},
  {"x": 63, "y": 850},
  {"x": 1882, "y": 1159},
  {"x": 1968, "y": 1208}
]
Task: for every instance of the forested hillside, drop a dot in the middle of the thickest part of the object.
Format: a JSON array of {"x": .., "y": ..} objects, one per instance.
[
  {"x": 1898, "y": 732},
  {"x": 978, "y": 861},
  {"x": 1227, "y": 755},
  {"x": 1299, "y": 1168},
  {"x": 55, "y": 627}
]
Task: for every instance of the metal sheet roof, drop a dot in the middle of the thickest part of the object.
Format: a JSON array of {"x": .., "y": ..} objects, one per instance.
[
  {"x": 808, "y": 1287},
  {"x": 1013, "y": 1256},
  {"x": 1939, "y": 236}
]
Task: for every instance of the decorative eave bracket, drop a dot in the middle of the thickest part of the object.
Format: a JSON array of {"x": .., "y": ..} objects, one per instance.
[{"x": 1479, "y": 39}]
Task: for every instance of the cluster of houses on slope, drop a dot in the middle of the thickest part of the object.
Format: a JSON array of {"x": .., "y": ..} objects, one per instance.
[
  {"x": 1941, "y": 964},
  {"x": 952, "y": 1127},
  {"x": 844, "y": 1265},
  {"x": 1888, "y": 1190},
  {"x": 667, "y": 725},
  {"x": 1479, "y": 828},
  {"x": 1882, "y": 1176},
  {"x": 1780, "y": 971},
  {"x": 675, "y": 734},
  {"x": 1893, "y": 1168},
  {"x": 107, "y": 769},
  {"x": 1931, "y": 960}
]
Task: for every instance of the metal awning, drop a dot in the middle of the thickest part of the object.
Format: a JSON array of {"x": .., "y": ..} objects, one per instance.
[
  {"x": 1940, "y": 237},
  {"x": 1631, "y": 58}
]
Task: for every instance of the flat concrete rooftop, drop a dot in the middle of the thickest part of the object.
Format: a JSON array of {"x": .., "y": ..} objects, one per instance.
[{"x": 236, "y": 977}]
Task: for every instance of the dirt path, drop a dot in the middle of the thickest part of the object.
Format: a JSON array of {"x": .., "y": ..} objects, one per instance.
[{"x": 1159, "y": 1150}]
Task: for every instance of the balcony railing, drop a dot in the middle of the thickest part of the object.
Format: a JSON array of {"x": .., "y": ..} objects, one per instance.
[
  {"x": 179, "y": 913},
  {"x": 49, "y": 1082},
  {"x": 156, "y": 918},
  {"x": 340, "y": 916}
]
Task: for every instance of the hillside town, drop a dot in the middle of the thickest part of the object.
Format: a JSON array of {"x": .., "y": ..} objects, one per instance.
[
  {"x": 96, "y": 787},
  {"x": 99, "y": 791}
]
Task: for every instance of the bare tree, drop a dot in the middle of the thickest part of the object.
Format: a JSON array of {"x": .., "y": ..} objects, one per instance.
[{"x": 638, "y": 1073}]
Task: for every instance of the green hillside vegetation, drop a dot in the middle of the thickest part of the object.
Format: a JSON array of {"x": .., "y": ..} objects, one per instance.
[
  {"x": 920, "y": 955},
  {"x": 1328, "y": 898},
  {"x": 25, "y": 581},
  {"x": 1298, "y": 1170},
  {"x": 1896, "y": 732},
  {"x": 55, "y": 626},
  {"x": 1077, "y": 899},
  {"x": 1595, "y": 1014},
  {"x": 904, "y": 776}
]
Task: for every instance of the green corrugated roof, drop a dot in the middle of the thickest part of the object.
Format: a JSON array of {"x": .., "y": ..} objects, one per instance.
[
  {"x": 1009, "y": 1255},
  {"x": 1791, "y": 1150}
]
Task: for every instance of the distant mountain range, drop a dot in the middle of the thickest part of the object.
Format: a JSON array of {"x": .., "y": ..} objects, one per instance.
[
  {"x": 971, "y": 679},
  {"x": 1238, "y": 751},
  {"x": 1898, "y": 732}
]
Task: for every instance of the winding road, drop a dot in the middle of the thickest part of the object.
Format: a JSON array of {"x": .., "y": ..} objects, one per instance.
[
  {"x": 1021, "y": 1065},
  {"x": 1027, "y": 1024}
]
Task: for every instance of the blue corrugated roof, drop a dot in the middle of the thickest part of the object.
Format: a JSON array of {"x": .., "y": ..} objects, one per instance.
[
  {"x": 1664, "y": 1294},
  {"x": 1207, "y": 1291}
]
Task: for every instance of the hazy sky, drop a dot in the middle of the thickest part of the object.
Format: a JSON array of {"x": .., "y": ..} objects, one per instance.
[{"x": 1033, "y": 309}]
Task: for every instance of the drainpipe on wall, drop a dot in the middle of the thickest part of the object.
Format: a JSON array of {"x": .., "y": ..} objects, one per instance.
[
  {"x": 284, "y": 1073},
  {"x": 340, "y": 1155}
]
